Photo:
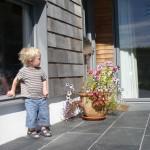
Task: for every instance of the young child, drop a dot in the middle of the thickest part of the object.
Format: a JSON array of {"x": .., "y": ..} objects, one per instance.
[{"x": 34, "y": 88}]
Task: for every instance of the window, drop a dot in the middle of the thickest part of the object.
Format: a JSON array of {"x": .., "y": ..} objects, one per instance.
[{"x": 15, "y": 33}]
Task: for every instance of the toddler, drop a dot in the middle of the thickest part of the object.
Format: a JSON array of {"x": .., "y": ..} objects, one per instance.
[{"x": 34, "y": 88}]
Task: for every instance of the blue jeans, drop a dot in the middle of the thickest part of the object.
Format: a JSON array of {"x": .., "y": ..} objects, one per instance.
[{"x": 37, "y": 112}]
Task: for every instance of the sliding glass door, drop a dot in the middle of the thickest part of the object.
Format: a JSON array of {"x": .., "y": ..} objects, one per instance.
[{"x": 134, "y": 44}]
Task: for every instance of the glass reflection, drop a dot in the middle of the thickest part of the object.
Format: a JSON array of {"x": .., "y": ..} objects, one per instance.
[{"x": 134, "y": 42}]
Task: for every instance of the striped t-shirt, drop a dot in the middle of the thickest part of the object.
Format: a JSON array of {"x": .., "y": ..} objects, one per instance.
[{"x": 31, "y": 82}]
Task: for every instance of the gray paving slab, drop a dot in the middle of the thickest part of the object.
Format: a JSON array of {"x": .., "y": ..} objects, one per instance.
[
  {"x": 25, "y": 143},
  {"x": 114, "y": 147},
  {"x": 146, "y": 143},
  {"x": 120, "y": 138},
  {"x": 134, "y": 119},
  {"x": 147, "y": 132},
  {"x": 72, "y": 141},
  {"x": 90, "y": 128},
  {"x": 93, "y": 126},
  {"x": 140, "y": 106},
  {"x": 65, "y": 126}
]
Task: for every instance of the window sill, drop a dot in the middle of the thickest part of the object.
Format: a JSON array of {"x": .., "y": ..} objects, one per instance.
[
  {"x": 7, "y": 98},
  {"x": 10, "y": 105}
]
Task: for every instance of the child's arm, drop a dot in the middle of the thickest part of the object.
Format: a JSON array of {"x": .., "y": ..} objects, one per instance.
[
  {"x": 45, "y": 88},
  {"x": 13, "y": 88}
]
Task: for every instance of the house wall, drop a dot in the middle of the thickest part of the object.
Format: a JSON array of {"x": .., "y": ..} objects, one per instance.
[{"x": 65, "y": 59}]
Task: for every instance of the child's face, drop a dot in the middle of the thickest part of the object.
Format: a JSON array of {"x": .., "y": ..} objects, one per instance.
[{"x": 36, "y": 61}]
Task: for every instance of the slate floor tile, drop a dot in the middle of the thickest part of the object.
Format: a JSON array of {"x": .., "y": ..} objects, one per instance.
[
  {"x": 114, "y": 147},
  {"x": 90, "y": 127},
  {"x": 95, "y": 126},
  {"x": 122, "y": 136},
  {"x": 65, "y": 126},
  {"x": 133, "y": 119},
  {"x": 72, "y": 141},
  {"x": 139, "y": 106},
  {"x": 25, "y": 143},
  {"x": 146, "y": 143},
  {"x": 148, "y": 129}
]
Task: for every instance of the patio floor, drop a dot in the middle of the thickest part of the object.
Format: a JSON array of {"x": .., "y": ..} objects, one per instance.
[{"x": 120, "y": 131}]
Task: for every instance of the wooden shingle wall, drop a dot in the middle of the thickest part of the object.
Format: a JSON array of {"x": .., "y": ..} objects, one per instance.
[
  {"x": 65, "y": 58},
  {"x": 104, "y": 34}
]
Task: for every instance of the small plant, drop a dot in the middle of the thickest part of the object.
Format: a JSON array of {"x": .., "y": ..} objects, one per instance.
[{"x": 71, "y": 105}]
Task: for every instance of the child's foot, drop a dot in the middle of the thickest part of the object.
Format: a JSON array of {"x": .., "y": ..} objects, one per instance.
[
  {"x": 45, "y": 131},
  {"x": 33, "y": 134}
]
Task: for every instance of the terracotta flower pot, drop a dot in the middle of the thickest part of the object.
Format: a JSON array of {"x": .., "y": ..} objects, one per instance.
[{"x": 89, "y": 112}]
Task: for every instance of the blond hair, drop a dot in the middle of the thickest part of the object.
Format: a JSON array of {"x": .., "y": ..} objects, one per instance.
[{"x": 28, "y": 54}]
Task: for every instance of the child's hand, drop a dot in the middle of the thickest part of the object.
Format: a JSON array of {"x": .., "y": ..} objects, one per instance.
[
  {"x": 45, "y": 93},
  {"x": 11, "y": 93},
  {"x": 45, "y": 89}
]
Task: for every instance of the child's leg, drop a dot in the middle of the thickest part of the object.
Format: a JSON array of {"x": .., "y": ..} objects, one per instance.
[
  {"x": 43, "y": 117},
  {"x": 43, "y": 113},
  {"x": 31, "y": 117}
]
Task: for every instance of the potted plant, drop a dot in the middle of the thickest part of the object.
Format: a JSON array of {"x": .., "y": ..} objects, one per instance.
[
  {"x": 98, "y": 94},
  {"x": 99, "y": 91}
]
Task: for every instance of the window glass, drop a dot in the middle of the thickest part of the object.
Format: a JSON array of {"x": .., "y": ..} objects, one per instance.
[
  {"x": 134, "y": 40},
  {"x": 11, "y": 41}
]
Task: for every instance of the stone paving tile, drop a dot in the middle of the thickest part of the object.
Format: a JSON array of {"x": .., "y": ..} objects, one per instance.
[
  {"x": 65, "y": 126},
  {"x": 147, "y": 132},
  {"x": 96, "y": 126},
  {"x": 114, "y": 147},
  {"x": 139, "y": 106},
  {"x": 122, "y": 136},
  {"x": 72, "y": 141},
  {"x": 146, "y": 143},
  {"x": 91, "y": 127},
  {"x": 135, "y": 119},
  {"x": 25, "y": 143}
]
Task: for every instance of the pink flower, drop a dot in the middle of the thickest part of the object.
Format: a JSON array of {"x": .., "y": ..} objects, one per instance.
[
  {"x": 115, "y": 68},
  {"x": 90, "y": 72},
  {"x": 109, "y": 64},
  {"x": 99, "y": 67},
  {"x": 94, "y": 72}
]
